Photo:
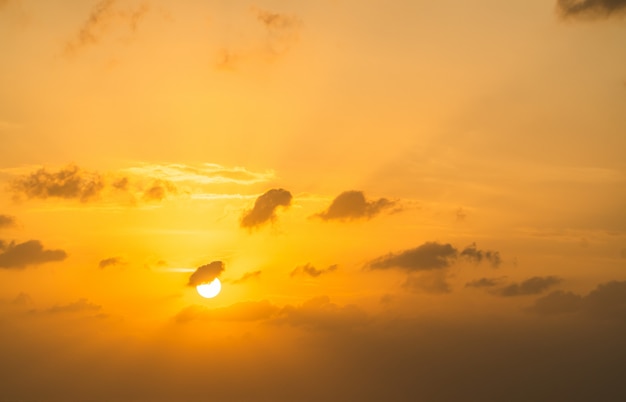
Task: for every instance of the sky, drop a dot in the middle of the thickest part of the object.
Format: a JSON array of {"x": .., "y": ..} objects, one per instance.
[{"x": 407, "y": 201}]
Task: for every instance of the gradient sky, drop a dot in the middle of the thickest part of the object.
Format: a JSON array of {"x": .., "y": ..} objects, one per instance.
[{"x": 405, "y": 201}]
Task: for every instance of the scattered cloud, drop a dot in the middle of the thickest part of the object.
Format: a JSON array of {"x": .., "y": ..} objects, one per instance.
[
  {"x": 18, "y": 256},
  {"x": 434, "y": 282},
  {"x": 310, "y": 270},
  {"x": 110, "y": 262},
  {"x": 351, "y": 205},
  {"x": 159, "y": 190},
  {"x": 206, "y": 273},
  {"x": 484, "y": 283},
  {"x": 238, "y": 312},
  {"x": 319, "y": 314},
  {"x": 70, "y": 182},
  {"x": 282, "y": 30},
  {"x": 531, "y": 286},
  {"x": 105, "y": 15},
  {"x": 606, "y": 301},
  {"x": 265, "y": 207},
  {"x": 590, "y": 8},
  {"x": 248, "y": 276},
  {"x": 75, "y": 307},
  {"x": 428, "y": 256},
  {"x": 7, "y": 221},
  {"x": 473, "y": 254}
]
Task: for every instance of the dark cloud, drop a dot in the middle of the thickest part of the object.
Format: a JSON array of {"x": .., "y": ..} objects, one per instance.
[
  {"x": 310, "y": 270},
  {"x": 17, "y": 256},
  {"x": 70, "y": 182},
  {"x": 531, "y": 286},
  {"x": 248, "y": 276},
  {"x": 7, "y": 221},
  {"x": 434, "y": 282},
  {"x": 473, "y": 254},
  {"x": 265, "y": 206},
  {"x": 351, "y": 205},
  {"x": 110, "y": 262},
  {"x": 239, "y": 312},
  {"x": 606, "y": 301},
  {"x": 206, "y": 273},
  {"x": 557, "y": 302},
  {"x": 159, "y": 190},
  {"x": 484, "y": 283},
  {"x": 428, "y": 256},
  {"x": 121, "y": 184},
  {"x": 590, "y": 8},
  {"x": 75, "y": 307}
]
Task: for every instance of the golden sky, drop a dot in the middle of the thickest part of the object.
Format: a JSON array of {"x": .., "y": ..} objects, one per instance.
[{"x": 404, "y": 201}]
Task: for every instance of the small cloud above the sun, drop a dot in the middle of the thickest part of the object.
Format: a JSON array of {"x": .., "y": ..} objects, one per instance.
[{"x": 206, "y": 273}]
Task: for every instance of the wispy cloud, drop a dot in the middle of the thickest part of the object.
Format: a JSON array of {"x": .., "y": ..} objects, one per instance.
[
  {"x": 110, "y": 262},
  {"x": 311, "y": 271},
  {"x": 247, "y": 277},
  {"x": 591, "y": 8},
  {"x": 208, "y": 173},
  {"x": 70, "y": 182}
]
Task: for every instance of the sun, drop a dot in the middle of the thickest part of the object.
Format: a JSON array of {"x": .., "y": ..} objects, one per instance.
[{"x": 209, "y": 290}]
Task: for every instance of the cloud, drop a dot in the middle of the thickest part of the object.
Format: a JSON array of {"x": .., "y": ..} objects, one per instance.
[
  {"x": 319, "y": 314},
  {"x": 206, "y": 273},
  {"x": 238, "y": 312},
  {"x": 207, "y": 173},
  {"x": 606, "y": 301},
  {"x": 17, "y": 256},
  {"x": 265, "y": 207},
  {"x": 473, "y": 254},
  {"x": 310, "y": 270},
  {"x": 104, "y": 15},
  {"x": 484, "y": 283},
  {"x": 351, "y": 205},
  {"x": 70, "y": 182},
  {"x": 282, "y": 30},
  {"x": 22, "y": 299},
  {"x": 75, "y": 307},
  {"x": 531, "y": 286},
  {"x": 428, "y": 256},
  {"x": 110, "y": 262},
  {"x": 7, "y": 221},
  {"x": 159, "y": 190},
  {"x": 247, "y": 276},
  {"x": 590, "y": 8},
  {"x": 434, "y": 282},
  {"x": 557, "y": 302}
]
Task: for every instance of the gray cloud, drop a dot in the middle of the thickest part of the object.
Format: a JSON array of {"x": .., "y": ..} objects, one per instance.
[
  {"x": 7, "y": 221},
  {"x": 557, "y": 302},
  {"x": 310, "y": 270},
  {"x": 428, "y": 256},
  {"x": 265, "y": 206},
  {"x": 206, "y": 273},
  {"x": 473, "y": 254},
  {"x": 70, "y": 182},
  {"x": 248, "y": 276},
  {"x": 351, "y": 205},
  {"x": 75, "y": 307},
  {"x": 531, "y": 286},
  {"x": 17, "y": 256},
  {"x": 110, "y": 262},
  {"x": 590, "y": 8}
]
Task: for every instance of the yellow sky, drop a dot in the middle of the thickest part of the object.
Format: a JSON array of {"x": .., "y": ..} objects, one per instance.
[{"x": 418, "y": 201}]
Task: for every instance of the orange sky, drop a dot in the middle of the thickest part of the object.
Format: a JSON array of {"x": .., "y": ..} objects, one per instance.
[{"x": 415, "y": 201}]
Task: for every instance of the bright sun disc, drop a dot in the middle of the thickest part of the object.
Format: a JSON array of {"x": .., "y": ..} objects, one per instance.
[{"x": 209, "y": 290}]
